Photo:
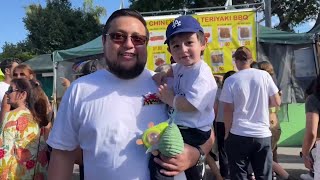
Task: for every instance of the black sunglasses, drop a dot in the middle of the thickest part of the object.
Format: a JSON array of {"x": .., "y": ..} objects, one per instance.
[
  {"x": 121, "y": 38},
  {"x": 11, "y": 90}
]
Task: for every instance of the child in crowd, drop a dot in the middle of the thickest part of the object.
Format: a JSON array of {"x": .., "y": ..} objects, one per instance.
[{"x": 194, "y": 89}]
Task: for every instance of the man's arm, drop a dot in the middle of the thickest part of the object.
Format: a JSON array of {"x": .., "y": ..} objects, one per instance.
[
  {"x": 189, "y": 157},
  {"x": 61, "y": 165},
  {"x": 228, "y": 117},
  {"x": 275, "y": 100},
  {"x": 310, "y": 136}
]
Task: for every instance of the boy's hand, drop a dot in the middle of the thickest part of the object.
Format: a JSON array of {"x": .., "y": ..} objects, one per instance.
[
  {"x": 166, "y": 94},
  {"x": 159, "y": 78}
]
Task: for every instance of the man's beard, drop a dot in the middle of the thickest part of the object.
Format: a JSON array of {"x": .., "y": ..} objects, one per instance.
[{"x": 116, "y": 69}]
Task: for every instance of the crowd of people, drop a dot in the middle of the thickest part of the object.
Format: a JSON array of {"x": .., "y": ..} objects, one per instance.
[{"x": 104, "y": 111}]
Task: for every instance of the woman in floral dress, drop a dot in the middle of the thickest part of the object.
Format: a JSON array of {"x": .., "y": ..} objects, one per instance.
[{"x": 23, "y": 151}]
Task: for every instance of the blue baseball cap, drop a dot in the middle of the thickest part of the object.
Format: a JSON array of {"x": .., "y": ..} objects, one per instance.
[{"x": 182, "y": 24}]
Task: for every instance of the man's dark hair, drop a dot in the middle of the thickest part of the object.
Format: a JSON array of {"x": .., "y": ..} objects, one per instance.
[
  {"x": 121, "y": 13},
  {"x": 7, "y": 63}
]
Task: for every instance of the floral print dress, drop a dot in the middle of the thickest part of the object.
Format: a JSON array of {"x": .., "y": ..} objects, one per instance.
[{"x": 21, "y": 155}]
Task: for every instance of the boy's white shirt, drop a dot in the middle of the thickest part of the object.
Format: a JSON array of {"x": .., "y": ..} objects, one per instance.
[{"x": 197, "y": 84}]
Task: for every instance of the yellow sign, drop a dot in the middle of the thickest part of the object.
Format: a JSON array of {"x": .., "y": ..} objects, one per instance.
[{"x": 224, "y": 31}]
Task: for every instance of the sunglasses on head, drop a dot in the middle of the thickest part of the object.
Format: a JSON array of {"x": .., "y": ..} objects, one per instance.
[
  {"x": 11, "y": 90},
  {"x": 121, "y": 38}
]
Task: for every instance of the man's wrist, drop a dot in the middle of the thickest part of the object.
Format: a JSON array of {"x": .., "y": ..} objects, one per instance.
[
  {"x": 305, "y": 156},
  {"x": 202, "y": 156}
]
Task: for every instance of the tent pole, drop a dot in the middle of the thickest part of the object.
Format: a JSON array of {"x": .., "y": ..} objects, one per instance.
[{"x": 267, "y": 13}]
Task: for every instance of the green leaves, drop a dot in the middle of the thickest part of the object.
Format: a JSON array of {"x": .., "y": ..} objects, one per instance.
[
  {"x": 55, "y": 26},
  {"x": 294, "y": 13},
  {"x": 291, "y": 13},
  {"x": 59, "y": 26}
]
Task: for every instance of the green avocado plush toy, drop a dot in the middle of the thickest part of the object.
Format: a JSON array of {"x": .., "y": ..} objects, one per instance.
[
  {"x": 165, "y": 137},
  {"x": 171, "y": 141}
]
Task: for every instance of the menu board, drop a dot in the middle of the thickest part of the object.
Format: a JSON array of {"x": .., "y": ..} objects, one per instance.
[{"x": 225, "y": 31}]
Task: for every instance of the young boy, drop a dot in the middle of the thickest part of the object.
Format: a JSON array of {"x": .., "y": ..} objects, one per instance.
[{"x": 194, "y": 88}]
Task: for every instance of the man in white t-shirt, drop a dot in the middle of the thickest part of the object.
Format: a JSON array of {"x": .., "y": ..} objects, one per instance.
[
  {"x": 247, "y": 96},
  {"x": 7, "y": 67},
  {"x": 106, "y": 112}
]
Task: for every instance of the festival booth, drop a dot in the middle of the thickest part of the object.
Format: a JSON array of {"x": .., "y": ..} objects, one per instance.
[
  {"x": 296, "y": 65},
  {"x": 293, "y": 56},
  {"x": 43, "y": 67},
  {"x": 64, "y": 62}
]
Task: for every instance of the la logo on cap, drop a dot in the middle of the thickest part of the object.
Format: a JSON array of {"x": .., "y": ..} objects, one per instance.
[{"x": 176, "y": 23}]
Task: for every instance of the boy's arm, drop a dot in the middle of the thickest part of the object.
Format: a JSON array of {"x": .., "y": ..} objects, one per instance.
[{"x": 180, "y": 103}]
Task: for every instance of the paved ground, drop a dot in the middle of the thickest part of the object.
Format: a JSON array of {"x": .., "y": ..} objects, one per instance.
[{"x": 287, "y": 157}]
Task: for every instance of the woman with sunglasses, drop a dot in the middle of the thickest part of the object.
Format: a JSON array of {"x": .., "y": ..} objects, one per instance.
[
  {"x": 25, "y": 71},
  {"x": 22, "y": 144},
  {"x": 20, "y": 71}
]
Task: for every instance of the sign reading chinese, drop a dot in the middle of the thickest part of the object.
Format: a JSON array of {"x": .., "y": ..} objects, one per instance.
[{"x": 225, "y": 31}]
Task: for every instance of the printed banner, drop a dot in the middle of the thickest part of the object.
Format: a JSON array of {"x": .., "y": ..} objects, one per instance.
[{"x": 225, "y": 32}]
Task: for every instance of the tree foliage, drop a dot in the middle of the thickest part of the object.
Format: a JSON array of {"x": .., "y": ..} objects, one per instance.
[
  {"x": 291, "y": 13},
  {"x": 19, "y": 50},
  {"x": 96, "y": 11},
  {"x": 294, "y": 13},
  {"x": 59, "y": 26}
]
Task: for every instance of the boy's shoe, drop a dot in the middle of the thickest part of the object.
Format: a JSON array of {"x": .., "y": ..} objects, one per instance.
[{"x": 306, "y": 176}]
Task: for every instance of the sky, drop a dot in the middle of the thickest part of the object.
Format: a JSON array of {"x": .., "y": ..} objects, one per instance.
[{"x": 12, "y": 28}]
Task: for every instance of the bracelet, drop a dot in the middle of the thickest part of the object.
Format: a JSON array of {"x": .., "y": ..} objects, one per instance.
[{"x": 174, "y": 102}]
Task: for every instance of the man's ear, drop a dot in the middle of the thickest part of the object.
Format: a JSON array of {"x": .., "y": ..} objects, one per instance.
[
  {"x": 31, "y": 76},
  {"x": 7, "y": 71}
]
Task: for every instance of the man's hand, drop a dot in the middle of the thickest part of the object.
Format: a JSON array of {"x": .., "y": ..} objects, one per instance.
[
  {"x": 308, "y": 163},
  {"x": 65, "y": 82},
  {"x": 175, "y": 165},
  {"x": 166, "y": 94}
]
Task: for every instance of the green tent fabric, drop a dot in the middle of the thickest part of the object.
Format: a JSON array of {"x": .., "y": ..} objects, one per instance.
[
  {"x": 269, "y": 35},
  {"x": 91, "y": 48},
  {"x": 42, "y": 63},
  {"x": 315, "y": 29},
  {"x": 265, "y": 34}
]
